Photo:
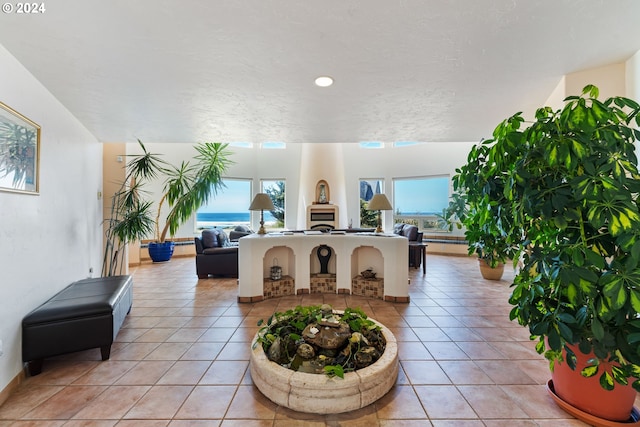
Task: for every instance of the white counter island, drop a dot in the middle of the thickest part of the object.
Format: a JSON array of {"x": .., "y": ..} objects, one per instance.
[{"x": 337, "y": 270}]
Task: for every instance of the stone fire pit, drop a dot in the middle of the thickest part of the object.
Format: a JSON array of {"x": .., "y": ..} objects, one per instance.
[{"x": 320, "y": 393}]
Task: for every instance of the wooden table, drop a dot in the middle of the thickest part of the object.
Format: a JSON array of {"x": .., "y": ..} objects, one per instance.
[{"x": 422, "y": 247}]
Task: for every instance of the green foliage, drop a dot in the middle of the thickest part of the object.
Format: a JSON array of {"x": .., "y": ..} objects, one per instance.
[
  {"x": 367, "y": 218},
  {"x": 185, "y": 189},
  {"x": 288, "y": 326},
  {"x": 561, "y": 195},
  {"x": 276, "y": 193},
  {"x": 334, "y": 371}
]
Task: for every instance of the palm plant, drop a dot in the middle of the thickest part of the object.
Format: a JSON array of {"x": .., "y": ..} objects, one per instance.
[{"x": 185, "y": 189}]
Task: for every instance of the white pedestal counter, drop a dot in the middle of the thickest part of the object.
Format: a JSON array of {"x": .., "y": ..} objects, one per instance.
[{"x": 297, "y": 255}]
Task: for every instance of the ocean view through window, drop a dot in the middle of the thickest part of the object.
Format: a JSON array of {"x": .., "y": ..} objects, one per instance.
[
  {"x": 417, "y": 201},
  {"x": 230, "y": 207}
]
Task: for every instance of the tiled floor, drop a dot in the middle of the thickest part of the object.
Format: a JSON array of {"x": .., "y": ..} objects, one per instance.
[{"x": 182, "y": 359}]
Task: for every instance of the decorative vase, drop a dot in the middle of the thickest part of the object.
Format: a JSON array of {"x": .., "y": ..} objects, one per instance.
[
  {"x": 161, "y": 252},
  {"x": 587, "y": 395},
  {"x": 490, "y": 273}
]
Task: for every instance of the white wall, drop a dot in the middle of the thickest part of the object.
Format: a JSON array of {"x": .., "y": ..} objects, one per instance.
[{"x": 52, "y": 239}]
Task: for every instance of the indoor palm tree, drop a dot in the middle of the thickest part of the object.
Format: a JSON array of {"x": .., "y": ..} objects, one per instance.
[{"x": 185, "y": 189}]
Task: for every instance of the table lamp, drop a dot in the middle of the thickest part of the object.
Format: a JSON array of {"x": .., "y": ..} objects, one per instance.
[
  {"x": 379, "y": 202},
  {"x": 261, "y": 202}
]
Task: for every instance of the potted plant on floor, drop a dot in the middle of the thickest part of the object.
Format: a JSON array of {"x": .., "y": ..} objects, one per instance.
[
  {"x": 469, "y": 207},
  {"x": 564, "y": 192},
  {"x": 186, "y": 188}
]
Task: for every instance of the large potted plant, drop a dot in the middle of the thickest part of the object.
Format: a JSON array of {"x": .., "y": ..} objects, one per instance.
[
  {"x": 185, "y": 189},
  {"x": 469, "y": 207},
  {"x": 563, "y": 191}
]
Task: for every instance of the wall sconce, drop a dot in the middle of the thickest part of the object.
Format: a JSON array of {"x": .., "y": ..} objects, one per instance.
[
  {"x": 261, "y": 202},
  {"x": 379, "y": 202}
]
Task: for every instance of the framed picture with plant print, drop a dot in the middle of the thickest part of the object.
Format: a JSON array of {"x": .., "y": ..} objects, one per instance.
[{"x": 19, "y": 152}]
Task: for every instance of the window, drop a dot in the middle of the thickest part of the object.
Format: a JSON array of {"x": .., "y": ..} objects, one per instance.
[
  {"x": 368, "y": 187},
  {"x": 274, "y": 145},
  {"x": 371, "y": 144},
  {"x": 404, "y": 143},
  {"x": 417, "y": 201},
  {"x": 228, "y": 208},
  {"x": 276, "y": 191}
]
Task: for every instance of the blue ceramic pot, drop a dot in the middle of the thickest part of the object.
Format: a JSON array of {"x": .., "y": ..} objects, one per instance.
[{"x": 161, "y": 252}]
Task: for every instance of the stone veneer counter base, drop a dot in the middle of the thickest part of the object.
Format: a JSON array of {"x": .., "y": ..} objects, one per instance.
[{"x": 320, "y": 394}]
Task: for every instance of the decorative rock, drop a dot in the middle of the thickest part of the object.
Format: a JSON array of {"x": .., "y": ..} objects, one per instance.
[
  {"x": 275, "y": 351},
  {"x": 366, "y": 356},
  {"x": 328, "y": 337},
  {"x": 306, "y": 351}
]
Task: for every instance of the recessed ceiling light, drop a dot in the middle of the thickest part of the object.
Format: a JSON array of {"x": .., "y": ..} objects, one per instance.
[{"x": 324, "y": 81}]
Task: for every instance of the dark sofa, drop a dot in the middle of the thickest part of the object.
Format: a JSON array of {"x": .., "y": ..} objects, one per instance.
[{"x": 215, "y": 254}]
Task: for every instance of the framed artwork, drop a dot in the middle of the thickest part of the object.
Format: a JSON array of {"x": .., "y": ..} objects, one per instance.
[
  {"x": 322, "y": 192},
  {"x": 19, "y": 152}
]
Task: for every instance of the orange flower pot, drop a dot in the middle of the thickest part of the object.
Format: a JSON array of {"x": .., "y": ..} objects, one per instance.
[{"x": 588, "y": 395}]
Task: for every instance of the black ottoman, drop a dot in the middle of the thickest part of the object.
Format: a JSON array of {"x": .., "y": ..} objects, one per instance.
[{"x": 86, "y": 314}]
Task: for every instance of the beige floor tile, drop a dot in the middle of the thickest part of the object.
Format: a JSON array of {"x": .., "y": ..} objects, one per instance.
[
  {"x": 66, "y": 403},
  {"x": 491, "y": 402},
  {"x": 161, "y": 402},
  {"x": 224, "y": 372},
  {"x": 424, "y": 372},
  {"x": 462, "y": 361},
  {"x": 400, "y": 403},
  {"x": 444, "y": 402},
  {"x": 184, "y": 373},
  {"x": 249, "y": 403},
  {"x": 147, "y": 372},
  {"x": 113, "y": 403},
  {"x": 207, "y": 402}
]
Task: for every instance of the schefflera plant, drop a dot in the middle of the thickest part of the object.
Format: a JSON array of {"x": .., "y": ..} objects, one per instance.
[{"x": 564, "y": 192}]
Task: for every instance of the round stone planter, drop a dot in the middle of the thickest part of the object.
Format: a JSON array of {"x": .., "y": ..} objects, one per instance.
[{"x": 320, "y": 394}]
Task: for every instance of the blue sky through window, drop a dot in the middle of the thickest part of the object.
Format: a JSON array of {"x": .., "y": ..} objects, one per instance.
[
  {"x": 426, "y": 196},
  {"x": 235, "y": 197}
]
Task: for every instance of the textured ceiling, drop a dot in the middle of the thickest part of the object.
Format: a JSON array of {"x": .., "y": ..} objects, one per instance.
[{"x": 419, "y": 70}]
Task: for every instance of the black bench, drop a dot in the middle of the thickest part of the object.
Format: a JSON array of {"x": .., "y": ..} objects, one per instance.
[{"x": 86, "y": 314}]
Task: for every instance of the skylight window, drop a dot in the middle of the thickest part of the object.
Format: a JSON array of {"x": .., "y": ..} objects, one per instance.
[
  {"x": 274, "y": 145},
  {"x": 405, "y": 143},
  {"x": 371, "y": 144}
]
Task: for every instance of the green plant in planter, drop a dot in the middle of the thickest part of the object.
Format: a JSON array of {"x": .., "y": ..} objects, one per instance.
[
  {"x": 186, "y": 188},
  {"x": 470, "y": 206},
  {"x": 564, "y": 192},
  {"x": 285, "y": 330}
]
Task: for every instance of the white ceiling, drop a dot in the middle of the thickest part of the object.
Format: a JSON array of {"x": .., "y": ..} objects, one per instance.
[{"x": 222, "y": 70}]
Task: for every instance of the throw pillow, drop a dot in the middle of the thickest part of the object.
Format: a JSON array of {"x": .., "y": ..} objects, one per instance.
[
  {"x": 210, "y": 238},
  {"x": 223, "y": 239}
]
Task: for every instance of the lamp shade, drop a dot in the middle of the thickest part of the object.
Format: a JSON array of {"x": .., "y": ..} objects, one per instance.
[
  {"x": 379, "y": 202},
  {"x": 260, "y": 202}
]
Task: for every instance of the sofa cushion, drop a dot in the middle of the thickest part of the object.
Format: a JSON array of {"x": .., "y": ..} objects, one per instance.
[
  {"x": 410, "y": 232},
  {"x": 210, "y": 238},
  {"x": 219, "y": 251},
  {"x": 243, "y": 229},
  {"x": 397, "y": 228}
]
